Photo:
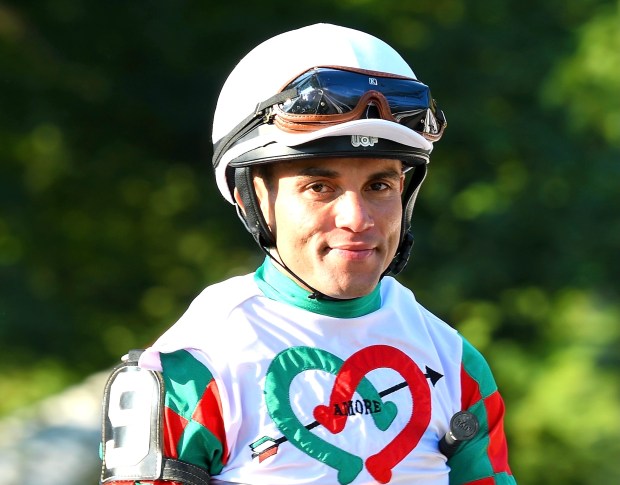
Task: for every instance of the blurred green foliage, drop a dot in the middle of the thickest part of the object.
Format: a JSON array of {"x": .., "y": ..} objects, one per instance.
[{"x": 110, "y": 222}]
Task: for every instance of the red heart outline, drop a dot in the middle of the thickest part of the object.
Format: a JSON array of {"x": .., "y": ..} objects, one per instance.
[{"x": 380, "y": 465}]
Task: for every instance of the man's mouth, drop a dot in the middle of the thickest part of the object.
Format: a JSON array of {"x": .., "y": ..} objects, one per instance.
[{"x": 352, "y": 252}]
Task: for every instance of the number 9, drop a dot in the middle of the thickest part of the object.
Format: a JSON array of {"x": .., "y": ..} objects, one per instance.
[{"x": 131, "y": 417}]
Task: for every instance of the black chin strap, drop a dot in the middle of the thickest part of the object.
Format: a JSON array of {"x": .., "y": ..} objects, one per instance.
[
  {"x": 406, "y": 238},
  {"x": 314, "y": 293},
  {"x": 252, "y": 217},
  {"x": 254, "y": 221}
]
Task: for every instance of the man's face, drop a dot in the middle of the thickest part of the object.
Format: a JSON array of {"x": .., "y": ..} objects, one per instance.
[{"x": 336, "y": 220}]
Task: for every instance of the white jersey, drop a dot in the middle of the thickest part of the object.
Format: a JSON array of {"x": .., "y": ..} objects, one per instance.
[{"x": 261, "y": 392}]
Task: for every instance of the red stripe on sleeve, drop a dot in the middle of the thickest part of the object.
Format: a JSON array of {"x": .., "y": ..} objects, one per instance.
[
  {"x": 173, "y": 428},
  {"x": 209, "y": 414},
  {"x": 470, "y": 390},
  {"x": 498, "y": 448}
]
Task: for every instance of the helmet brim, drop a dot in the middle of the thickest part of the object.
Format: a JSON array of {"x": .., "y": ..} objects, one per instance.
[{"x": 375, "y": 138}]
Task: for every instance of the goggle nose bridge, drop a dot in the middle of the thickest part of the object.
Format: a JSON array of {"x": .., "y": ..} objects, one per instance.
[{"x": 379, "y": 101}]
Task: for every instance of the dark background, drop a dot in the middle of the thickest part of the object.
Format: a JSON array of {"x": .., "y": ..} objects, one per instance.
[{"x": 110, "y": 221}]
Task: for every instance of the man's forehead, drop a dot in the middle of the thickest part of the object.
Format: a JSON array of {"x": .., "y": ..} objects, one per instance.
[{"x": 334, "y": 167}]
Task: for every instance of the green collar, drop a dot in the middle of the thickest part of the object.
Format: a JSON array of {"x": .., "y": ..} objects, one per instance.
[{"x": 278, "y": 286}]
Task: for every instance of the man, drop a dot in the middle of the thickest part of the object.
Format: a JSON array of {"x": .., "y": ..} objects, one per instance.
[{"x": 319, "y": 367}]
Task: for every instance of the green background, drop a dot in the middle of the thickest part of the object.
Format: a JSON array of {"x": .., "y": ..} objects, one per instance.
[{"x": 110, "y": 221}]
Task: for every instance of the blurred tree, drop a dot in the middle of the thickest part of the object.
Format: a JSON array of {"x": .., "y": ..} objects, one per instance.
[{"x": 110, "y": 221}]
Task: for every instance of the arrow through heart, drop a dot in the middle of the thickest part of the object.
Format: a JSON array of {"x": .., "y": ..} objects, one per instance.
[{"x": 350, "y": 378}]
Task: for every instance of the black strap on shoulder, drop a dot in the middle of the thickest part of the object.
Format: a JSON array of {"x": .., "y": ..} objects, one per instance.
[{"x": 186, "y": 473}]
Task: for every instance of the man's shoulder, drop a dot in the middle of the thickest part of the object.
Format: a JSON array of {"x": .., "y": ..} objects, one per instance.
[
  {"x": 206, "y": 319},
  {"x": 227, "y": 294},
  {"x": 396, "y": 294},
  {"x": 404, "y": 302},
  {"x": 217, "y": 301}
]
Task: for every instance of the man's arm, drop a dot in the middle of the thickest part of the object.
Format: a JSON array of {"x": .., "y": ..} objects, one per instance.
[{"x": 483, "y": 460}]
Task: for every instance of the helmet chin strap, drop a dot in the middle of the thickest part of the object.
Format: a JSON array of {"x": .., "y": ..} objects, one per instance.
[
  {"x": 314, "y": 293},
  {"x": 406, "y": 237},
  {"x": 254, "y": 221}
]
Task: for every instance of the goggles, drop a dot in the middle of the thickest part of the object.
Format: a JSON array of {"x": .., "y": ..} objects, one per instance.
[{"x": 327, "y": 95}]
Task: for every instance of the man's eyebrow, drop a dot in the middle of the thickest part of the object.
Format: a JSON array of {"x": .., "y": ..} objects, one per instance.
[
  {"x": 318, "y": 172},
  {"x": 386, "y": 174}
]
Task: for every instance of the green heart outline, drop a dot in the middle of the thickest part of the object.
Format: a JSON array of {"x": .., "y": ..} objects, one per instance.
[{"x": 282, "y": 370}]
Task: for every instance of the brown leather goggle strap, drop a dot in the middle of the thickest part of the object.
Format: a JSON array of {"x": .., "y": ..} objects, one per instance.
[{"x": 304, "y": 122}]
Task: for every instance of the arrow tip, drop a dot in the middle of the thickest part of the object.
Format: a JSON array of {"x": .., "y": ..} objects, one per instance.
[{"x": 433, "y": 375}]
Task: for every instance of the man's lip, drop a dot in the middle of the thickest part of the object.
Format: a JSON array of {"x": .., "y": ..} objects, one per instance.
[
  {"x": 353, "y": 247},
  {"x": 353, "y": 251}
]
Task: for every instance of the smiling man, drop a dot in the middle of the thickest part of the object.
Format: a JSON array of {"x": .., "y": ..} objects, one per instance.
[
  {"x": 337, "y": 220},
  {"x": 319, "y": 367}
]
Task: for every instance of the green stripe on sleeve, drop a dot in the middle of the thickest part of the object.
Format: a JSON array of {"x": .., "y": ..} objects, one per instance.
[
  {"x": 478, "y": 368},
  {"x": 186, "y": 380}
]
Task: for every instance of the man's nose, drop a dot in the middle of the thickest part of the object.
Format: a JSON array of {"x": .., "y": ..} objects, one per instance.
[{"x": 352, "y": 212}]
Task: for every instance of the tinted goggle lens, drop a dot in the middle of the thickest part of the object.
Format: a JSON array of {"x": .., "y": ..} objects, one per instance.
[{"x": 326, "y": 91}]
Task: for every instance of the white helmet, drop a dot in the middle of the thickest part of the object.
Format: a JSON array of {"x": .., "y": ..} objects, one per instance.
[{"x": 251, "y": 126}]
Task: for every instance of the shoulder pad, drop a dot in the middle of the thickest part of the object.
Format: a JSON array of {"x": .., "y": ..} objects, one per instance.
[{"x": 132, "y": 420}]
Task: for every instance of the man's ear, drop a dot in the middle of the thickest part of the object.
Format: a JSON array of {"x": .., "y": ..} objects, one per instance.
[
  {"x": 263, "y": 196},
  {"x": 254, "y": 208},
  {"x": 238, "y": 200}
]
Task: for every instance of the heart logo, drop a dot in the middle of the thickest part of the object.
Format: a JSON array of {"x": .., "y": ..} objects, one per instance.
[{"x": 350, "y": 378}]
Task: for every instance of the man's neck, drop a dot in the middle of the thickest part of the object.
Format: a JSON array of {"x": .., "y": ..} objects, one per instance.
[{"x": 277, "y": 286}]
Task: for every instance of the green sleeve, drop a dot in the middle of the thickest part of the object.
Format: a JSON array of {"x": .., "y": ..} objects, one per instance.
[
  {"x": 484, "y": 459},
  {"x": 193, "y": 423}
]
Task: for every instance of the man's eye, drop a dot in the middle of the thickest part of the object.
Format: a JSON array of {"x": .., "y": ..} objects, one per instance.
[
  {"x": 318, "y": 188},
  {"x": 379, "y": 186}
]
